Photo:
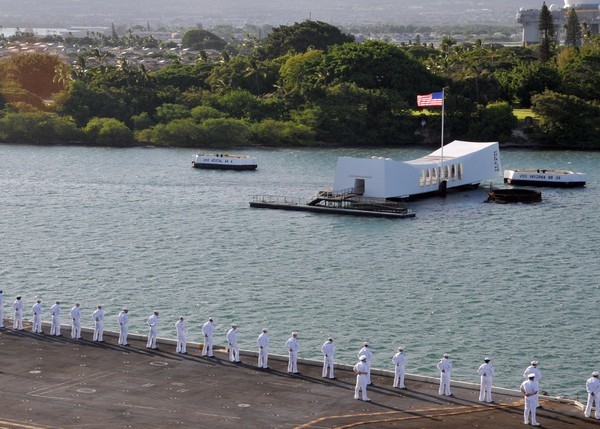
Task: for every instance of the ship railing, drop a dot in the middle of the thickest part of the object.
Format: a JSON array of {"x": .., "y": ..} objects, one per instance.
[{"x": 276, "y": 199}]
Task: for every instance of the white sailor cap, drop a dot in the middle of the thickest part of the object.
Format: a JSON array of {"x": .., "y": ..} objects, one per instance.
[
  {"x": 487, "y": 359},
  {"x": 595, "y": 374},
  {"x": 362, "y": 357},
  {"x": 446, "y": 355},
  {"x": 265, "y": 330},
  {"x": 366, "y": 344},
  {"x": 534, "y": 362},
  {"x": 401, "y": 348},
  {"x": 531, "y": 375},
  {"x": 233, "y": 325}
]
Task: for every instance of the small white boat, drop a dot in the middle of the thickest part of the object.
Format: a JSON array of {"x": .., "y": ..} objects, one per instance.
[
  {"x": 225, "y": 161},
  {"x": 554, "y": 178}
]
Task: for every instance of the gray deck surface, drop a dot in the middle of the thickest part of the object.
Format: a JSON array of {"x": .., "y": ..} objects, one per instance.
[{"x": 56, "y": 382}]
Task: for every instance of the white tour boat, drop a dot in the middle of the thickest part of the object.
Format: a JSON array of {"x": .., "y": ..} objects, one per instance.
[
  {"x": 554, "y": 178},
  {"x": 459, "y": 164},
  {"x": 225, "y": 162}
]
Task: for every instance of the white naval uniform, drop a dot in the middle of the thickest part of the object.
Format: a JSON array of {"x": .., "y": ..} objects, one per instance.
[
  {"x": 153, "y": 332},
  {"x": 76, "y": 323},
  {"x": 55, "y": 327},
  {"x": 445, "y": 367},
  {"x": 538, "y": 378},
  {"x": 37, "y": 318},
  {"x": 292, "y": 346},
  {"x": 208, "y": 330},
  {"x": 1, "y": 310},
  {"x": 98, "y": 316},
  {"x": 263, "y": 350},
  {"x": 234, "y": 349},
  {"x": 18, "y": 320},
  {"x": 399, "y": 361},
  {"x": 361, "y": 369},
  {"x": 486, "y": 371},
  {"x": 366, "y": 351},
  {"x": 592, "y": 386},
  {"x": 328, "y": 350},
  {"x": 123, "y": 319},
  {"x": 181, "y": 336},
  {"x": 530, "y": 387}
]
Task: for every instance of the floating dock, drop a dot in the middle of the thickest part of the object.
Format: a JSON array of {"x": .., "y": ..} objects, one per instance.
[{"x": 341, "y": 202}]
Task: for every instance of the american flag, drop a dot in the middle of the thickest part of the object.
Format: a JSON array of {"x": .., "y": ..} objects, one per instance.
[{"x": 434, "y": 99}]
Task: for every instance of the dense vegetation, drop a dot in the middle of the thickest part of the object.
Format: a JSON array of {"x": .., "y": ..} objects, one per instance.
[{"x": 304, "y": 84}]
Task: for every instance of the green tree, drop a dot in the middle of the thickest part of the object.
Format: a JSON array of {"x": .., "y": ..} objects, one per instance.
[
  {"x": 108, "y": 132},
  {"x": 198, "y": 40},
  {"x": 38, "y": 127},
  {"x": 495, "y": 121},
  {"x": 226, "y": 132},
  {"x": 528, "y": 79},
  {"x": 566, "y": 120},
  {"x": 287, "y": 133},
  {"x": 169, "y": 111},
  {"x": 548, "y": 34},
  {"x": 573, "y": 29},
  {"x": 33, "y": 72},
  {"x": 301, "y": 37}
]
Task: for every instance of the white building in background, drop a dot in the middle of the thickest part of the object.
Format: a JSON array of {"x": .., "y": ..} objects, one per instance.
[{"x": 588, "y": 11}]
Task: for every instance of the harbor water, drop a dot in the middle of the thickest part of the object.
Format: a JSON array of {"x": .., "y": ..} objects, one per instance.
[{"x": 140, "y": 228}]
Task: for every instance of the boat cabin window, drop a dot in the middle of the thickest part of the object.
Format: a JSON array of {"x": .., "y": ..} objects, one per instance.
[
  {"x": 435, "y": 176},
  {"x": 460, "y": 171},
  {"x": 422, "y": 178},
  {"x": 447, "y": 172},
  {"x": 428, "y": 177},
  {"x": 453, "y": 172}
]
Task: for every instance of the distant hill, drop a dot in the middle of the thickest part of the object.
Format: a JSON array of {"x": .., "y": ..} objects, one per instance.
[{"x": 36, "y": 13}]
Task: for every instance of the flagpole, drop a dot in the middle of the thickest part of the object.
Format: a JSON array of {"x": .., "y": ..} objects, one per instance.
[{"x": 442, "y": 138}]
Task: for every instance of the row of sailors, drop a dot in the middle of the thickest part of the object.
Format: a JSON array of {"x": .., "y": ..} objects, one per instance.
[{"x": 530, "y": 387}]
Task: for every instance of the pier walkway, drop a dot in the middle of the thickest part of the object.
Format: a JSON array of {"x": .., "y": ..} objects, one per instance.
[{"x": 55, "y": 382}]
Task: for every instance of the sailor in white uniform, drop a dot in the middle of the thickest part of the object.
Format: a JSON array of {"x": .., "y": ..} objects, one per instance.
[
  {"x": 530, "y": 389},
  {"x": 37, "y": 317},
  {"x": 445, "y": 368},
  {"x": 263, "y": 349},
  {"x": 76, "y": 322},
  {"x": 293, "y": 346},
  {"x": 234, "y": 349},
  {"x": 399, "y": 360},
  {"x": 98, "y": 317},
  {"x": 208, "y": 330},
  {"x": 486, "y": 371},
  {"x": 55, "y": 313},
  {"x": 153, "y": 331},
  {"x": 592, "y": 386},
  {"x": 533, "y": 369},
  {"x": 123, "y": 319},
  {"x": 181, "y": 336},
  {"x": 328, "y": 350},
  {"x": 1, "y": 309},
  {"x": 18, "y": 320},
  {"x": 361, "y": 369},
  {"x": 366, "y": 351}
]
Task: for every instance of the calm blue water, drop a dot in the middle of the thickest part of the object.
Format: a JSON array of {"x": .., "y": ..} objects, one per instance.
[{"x": 140, "y": 227}]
